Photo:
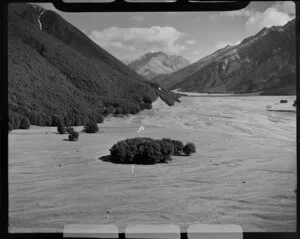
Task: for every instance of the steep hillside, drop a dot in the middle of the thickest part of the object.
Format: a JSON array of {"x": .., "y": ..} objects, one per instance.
[
  {"x": 169, "y": 80},
  {"x": 264, "y": 62},
  {"x": 151, "y": 65},
  {"x": 56, "y": 72}
]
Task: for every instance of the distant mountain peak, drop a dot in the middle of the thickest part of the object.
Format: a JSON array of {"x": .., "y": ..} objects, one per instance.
[{"x": 152, "y": 64}]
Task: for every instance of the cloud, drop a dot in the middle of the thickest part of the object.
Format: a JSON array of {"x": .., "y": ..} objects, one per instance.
[
  {"x": 277, "y": 14},
  {"x": 272, "y": 16},
  {"x": 190, "y": 42},
  {"x": 136, "y": 18},
  {"x": 288, "y": 7},
  {"x": 153, "y": 38},
  {"x": 196, "y": 52}
]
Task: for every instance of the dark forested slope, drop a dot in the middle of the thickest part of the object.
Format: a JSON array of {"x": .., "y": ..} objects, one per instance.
[{"x": 56, "y": 72}]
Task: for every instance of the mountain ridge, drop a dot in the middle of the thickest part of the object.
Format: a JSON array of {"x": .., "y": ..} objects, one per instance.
[{"x": 259, "y": 63}]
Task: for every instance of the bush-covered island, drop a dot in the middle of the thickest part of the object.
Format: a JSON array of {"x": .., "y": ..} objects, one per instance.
[{"x": 148, "y": 151}]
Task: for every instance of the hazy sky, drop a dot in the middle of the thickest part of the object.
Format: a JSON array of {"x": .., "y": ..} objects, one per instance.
[{"x": 192, "y": 35}]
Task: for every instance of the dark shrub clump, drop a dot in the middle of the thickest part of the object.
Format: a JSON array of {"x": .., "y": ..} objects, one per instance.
[
  {"x": 141, "y": 151},
  {"x": 146, "y": 106},
  {"x": 69, "y": 129},
  {"x": 25, "y": 124},
  {"x": 177, "y": 146},
  {"x": 295, "y": 103},
  {"x": 61, "y": 128},
  {"x": 91, "y": 127},
  {"x": 56, "y": 120},
  {"x": 283, "y": 101},
  {"x": 189, "y": 148},
  {"x": 15, "y": 119},
  {"x": 73, "y": 136}
]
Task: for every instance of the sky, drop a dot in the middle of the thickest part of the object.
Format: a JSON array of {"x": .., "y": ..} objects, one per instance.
[{"x": 193, "y": 35}]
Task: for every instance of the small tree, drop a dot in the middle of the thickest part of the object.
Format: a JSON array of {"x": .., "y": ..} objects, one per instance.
[
  {"x": 69, "y": 129},
  {"x": 15, "y": 119},
  {"x": 25, "y": 124},
  {"x": 100, "y": 119},
  {"x": 73, "y": 136},
  {"x": 91, "y": 127},
  {"x": 61, "y": 128},
  {"x": 56, "y": 120},
  {"x": 295, "y": 103},
  {"x": 189, "y": 148}
]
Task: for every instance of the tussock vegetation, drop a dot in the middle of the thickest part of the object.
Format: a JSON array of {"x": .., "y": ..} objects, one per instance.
[
  {"x": 59, "y": 74},
  {"x": 147, "y": 151}
]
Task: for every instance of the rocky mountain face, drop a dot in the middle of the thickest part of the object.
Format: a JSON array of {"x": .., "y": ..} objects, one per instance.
[
  {"x": 55, "y": 72},
  {"x": 152, "y": 65},
  {"x": 265, "y": 63}
]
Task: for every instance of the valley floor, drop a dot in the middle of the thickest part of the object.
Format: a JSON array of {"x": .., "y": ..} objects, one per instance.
[{"x": 244, "y": 170}]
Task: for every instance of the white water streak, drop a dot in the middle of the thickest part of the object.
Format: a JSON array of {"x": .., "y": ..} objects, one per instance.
[{"x": 39, "y": 19}]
